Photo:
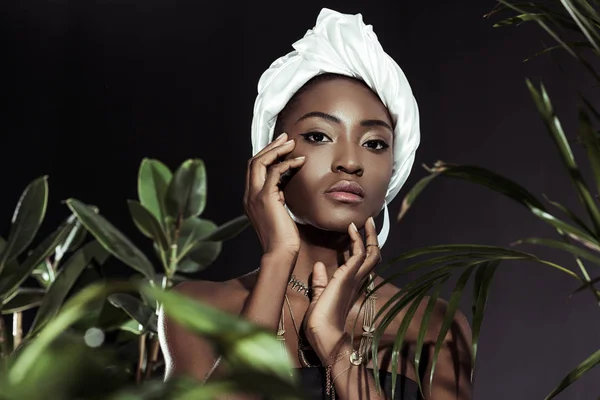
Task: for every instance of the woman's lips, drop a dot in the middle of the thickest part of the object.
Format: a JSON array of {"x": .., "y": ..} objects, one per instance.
[{"x": 345, "y": 197}]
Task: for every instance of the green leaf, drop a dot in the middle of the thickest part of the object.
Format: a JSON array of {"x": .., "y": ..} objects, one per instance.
[
  {"x": 481, "y": 289},
  {"x": 186, "y": 194},
  {"x": 251, "y": 382},
  {"x": 193, "y": 230},
  {"x": 132, "y": 326},
  {"x": 202, "y": 256},
  {"x": 414, "y": 192},
  {"x": 44, "y": 273},
  {"x": 147, "y": 223},
  {"x": 473, "y": 174},
  {"x": 575, "y": 374},
  {"x": 153, "y": 180},
  {"x": 23, "y": 300},
  {"x": 449, "y": 318},
  {"x": 586, "y": 285},
  {"x": 400, "y": 335},
  {"x": 242, "y": 344},
  {"x": 579, "y": 44},
  {"x": 65, "y": 279},
  {"x": 588, "y": 28},
  {"x": 228, "y": 230},
  {"x": 570, "y": 214},
  {"x": 193, "y": 254},
  {"x": 571, "y": 231},
  {"x": 111, "y": 238},
  {"x": 74, "y": 235},
  {"x": 74, "y": 309},
  {"x": 402, "y": 301},
  {"x": 574, "y": 250},
  {"x": 542, "y": 101},
  {"x": 14, "y": 274},
  {"x": 143, "y": 314},
  {"x": 592, "y": 145},
  {"x": 423, "y": 330},
  {"x": 26, "y": 220}
]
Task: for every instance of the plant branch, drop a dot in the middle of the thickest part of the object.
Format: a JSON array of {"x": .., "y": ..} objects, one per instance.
[{"x": 154, "y": 352}]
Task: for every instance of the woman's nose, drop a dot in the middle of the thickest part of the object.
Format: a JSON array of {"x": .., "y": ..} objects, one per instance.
[{"x": 347, "y": 159}]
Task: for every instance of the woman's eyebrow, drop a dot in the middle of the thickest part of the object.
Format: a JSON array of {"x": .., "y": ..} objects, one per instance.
[{"x": 332, "y": 118}]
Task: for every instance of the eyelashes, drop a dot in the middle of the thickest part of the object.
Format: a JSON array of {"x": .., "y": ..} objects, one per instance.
[{"x": 374, "y": 144}]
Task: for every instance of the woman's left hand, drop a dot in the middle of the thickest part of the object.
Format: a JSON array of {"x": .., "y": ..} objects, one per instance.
[{"x": 332, "y": 299}]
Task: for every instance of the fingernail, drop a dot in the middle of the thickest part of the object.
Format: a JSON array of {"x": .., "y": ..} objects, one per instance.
[
  {"x": 354, "y": 227},
  {"x": 372, "y": 221},
  {"x": 288, "y": 142},
  {"x": 300, "y": 158},
  {"x": 280, "y": 136}
]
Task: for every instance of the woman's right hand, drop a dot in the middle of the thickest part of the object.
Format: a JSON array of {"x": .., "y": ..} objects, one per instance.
[{"x": 264, "y": 200}]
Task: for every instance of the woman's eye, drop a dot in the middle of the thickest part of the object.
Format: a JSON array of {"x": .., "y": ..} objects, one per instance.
[
  {"x": 314, "y": 137},
  {"x": 376, "y": 144}
]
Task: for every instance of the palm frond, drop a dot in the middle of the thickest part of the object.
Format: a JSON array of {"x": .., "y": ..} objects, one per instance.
[{"x": 575, "y": 374}]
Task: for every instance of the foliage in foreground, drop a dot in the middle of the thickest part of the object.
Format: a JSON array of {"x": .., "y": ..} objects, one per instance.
[
  {"x": 579, "y": 21},
  {"x": 95, "y": 338}
]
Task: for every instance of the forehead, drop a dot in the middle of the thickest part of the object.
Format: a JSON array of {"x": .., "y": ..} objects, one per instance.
[{"x": 342, "y": 95}]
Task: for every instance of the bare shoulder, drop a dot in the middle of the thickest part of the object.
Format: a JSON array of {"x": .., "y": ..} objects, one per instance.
[{"x": 227, "y": 296}]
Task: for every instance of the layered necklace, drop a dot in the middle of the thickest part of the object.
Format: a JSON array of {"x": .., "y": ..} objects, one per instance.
[{"x": 306, "y": 355}]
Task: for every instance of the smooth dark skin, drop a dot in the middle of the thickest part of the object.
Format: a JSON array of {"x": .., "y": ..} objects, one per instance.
[{"x": 352, "y": 147}]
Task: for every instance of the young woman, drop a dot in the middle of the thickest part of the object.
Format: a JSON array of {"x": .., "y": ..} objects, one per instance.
[{"x": 334, "y": 133}]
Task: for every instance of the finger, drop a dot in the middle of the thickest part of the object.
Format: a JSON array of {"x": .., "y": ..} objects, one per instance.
[
  {"x": 281, "y": 139},
  {"x": 258, "y": 172},
  {"x": 278, "y": 141},
  {"x": 358, "y": 250},
  {"x": 319, "y": 280},
  {"x": 276, "y": 171},
  {"x": 373, "y": 251}
]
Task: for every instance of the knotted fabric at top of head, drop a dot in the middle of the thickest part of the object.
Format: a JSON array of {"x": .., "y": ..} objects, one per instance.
[{"x": 343, "y": 44}]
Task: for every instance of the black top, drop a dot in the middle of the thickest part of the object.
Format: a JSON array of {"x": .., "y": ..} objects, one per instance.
[{"x": 313, "y": 383}]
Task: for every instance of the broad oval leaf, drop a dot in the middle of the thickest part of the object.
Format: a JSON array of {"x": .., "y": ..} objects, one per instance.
[
  {"x": 26, "y": 220},
  {"x": 23, "y": 300},
  {"x": 74, "y": 309},
  {"x": 228, "y": 230},
  {"x": 111, "y": 238},
  {"x": 242, "y": 344},
  {"x": 65, "y": 279},
  {"x": 200, "y": 257},
  {"x": 186, "y": 194},
  {"x": 15, "y": 274},
  {"x": 147, "y": 223},
  {"x": 73, "y": 241},
  {"x": 140, "y": 312},
  {"x": 153, "y": 180}
]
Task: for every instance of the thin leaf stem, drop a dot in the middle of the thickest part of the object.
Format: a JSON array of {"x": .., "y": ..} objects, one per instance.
[
  {"x": 4, "y": 350},
  {"x": 17, "y": 329},
  {"x": 141, "y": 358}
]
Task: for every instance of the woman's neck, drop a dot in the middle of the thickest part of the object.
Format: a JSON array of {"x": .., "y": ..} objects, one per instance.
[{"x": 331, "y": 248}]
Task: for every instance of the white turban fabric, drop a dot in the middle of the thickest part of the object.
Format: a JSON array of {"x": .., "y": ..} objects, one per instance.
[{"x": 342, "y": 44}]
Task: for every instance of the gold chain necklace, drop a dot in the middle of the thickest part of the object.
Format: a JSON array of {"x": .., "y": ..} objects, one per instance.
[{"x": 368, "y": 324}]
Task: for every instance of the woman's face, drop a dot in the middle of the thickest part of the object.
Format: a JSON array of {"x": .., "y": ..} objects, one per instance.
[{"x": 345, "y": 133}]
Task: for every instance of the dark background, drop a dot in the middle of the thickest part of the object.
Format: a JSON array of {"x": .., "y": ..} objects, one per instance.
[{"x": 91, "y": 88}]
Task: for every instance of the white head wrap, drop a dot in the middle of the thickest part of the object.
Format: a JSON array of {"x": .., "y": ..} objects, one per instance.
[{"x": 342, "y": 44}]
